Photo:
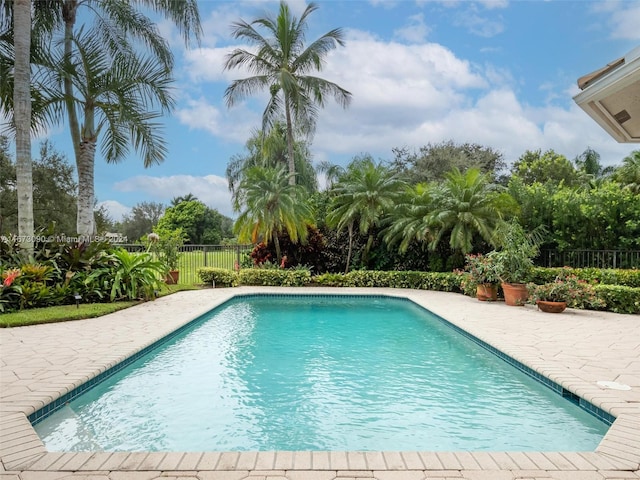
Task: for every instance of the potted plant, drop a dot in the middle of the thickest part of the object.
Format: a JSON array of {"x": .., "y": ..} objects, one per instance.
[
  {"x": 483, "y": 276},
  {"x": 566, "y": 290},
  {"x": 514, "y": 259},
  {"x": 166, "y": 246}
]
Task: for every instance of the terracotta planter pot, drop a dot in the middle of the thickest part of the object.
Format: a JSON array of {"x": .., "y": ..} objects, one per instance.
[
  {"x": 487, "y": 292},
  {"x": 551, "y": 307},
  {"x": 172, "y": 277},
  {"x": 515, "y": 294}
]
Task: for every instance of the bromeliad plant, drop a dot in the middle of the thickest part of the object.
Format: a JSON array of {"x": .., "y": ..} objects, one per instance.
[
  {"x": 566, "y": 288},
  {"x": 9, "y": 293}
]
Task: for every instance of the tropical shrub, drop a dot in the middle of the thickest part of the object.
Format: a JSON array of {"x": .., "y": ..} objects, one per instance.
[
  {"x": 166, "y": 246},
  {"x": 514, "y": 259},
  {"x": 221, "y": 277},
  {"x": 136, "y": 275},
  {"x": 481, "y": 269}
]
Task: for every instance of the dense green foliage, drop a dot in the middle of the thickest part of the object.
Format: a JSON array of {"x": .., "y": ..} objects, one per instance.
[
  {"x": 274, "y": 277},
  {"x": 219, "y": 277},
  {"x": 619, "y": 298},
  {"x": 608, "y": 276},
  {"x": 432, "y": 162},
  {"x": 54, "y": 191},
  {"x": 270, "y": 205},
  {"x": 200, "y": 224},
  {"x": 58, "y": 271}
]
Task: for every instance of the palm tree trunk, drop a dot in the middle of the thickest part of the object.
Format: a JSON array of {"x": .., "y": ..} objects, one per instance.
[
  {"x": 84, "y": 153},
  {"x": 22, "y": 119},
  {"x": 69, "y": 14},
  {"x": 85, "y": 223},
  {"x": 350, "y": 228},
  {"x": 292, "y": 163},
  {"x": 276, "y": 243}
]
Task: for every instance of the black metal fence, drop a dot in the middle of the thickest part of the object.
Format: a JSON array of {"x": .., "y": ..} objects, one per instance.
[
  {"x": 590, "y": 258},
  {"x": 194, "y": 257}
]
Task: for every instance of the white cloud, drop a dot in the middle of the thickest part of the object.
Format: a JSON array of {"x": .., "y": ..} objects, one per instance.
[
  {"x": 115, "y": 209},
  {"x": 494, "y": 4},
  {"x": 235, "y": 124},
  {"x": 625, "y": 22},
  {"x": 210, "y": 189},
  {"x": 384, "y": 3},
  {"x": 415, "y": 31},
  {"x": 479, "y": 25},
  {"x": 410, "y": 95}
]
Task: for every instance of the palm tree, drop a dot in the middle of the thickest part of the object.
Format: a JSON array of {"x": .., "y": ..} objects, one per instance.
[
  {"x": 117, "y": 24},
  {"x": 411, "y": 217},
  {"x": 467, "y": 204},
  {"x": 120, "y": 30},
  {"x": 121, "y": 97},
  {"x": 270, "y": 150},
  {"x": 189, "y": 197},
  {"x": 629, "y": 173},
  {"x": 282, "y": 65},
  {"x": 269, "y": 205},
  {"x": 22, "y": 120},
  {"x": 364, "y": 195}
]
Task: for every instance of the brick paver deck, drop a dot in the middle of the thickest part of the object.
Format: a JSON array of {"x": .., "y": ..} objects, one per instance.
[{"x": 576, "y": 349}]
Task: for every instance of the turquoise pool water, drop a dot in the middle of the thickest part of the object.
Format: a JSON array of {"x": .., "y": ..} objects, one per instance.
[{"x": 320, "y": 373}]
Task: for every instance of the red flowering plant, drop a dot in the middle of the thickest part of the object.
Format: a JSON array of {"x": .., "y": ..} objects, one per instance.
[
  {"x": 9, "y": 292},
  {"x": 568, "y": 288}
]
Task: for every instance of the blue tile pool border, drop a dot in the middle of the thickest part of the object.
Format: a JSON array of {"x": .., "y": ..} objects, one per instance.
[{"x": 50, "y": 408}]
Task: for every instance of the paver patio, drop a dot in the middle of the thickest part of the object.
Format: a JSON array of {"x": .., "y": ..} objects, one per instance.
[{"x": 576, "y": 349}]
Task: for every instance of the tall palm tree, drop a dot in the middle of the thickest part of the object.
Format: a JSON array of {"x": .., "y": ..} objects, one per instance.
[
  {"x": 467, "y": 204},
  {"x": 121, "y": 29},
  {"x": 22, "y": 121},
  {"x": 269, "y": 205},
  {"x": 121, "y": 97},
  {"x": 363, "y": 196},
  {"x": 281, "y": 64},
  {"x": 117, "y": 25}
]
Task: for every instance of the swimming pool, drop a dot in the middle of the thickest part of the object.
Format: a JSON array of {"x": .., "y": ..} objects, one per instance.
[{"x": 320, "y": 373}]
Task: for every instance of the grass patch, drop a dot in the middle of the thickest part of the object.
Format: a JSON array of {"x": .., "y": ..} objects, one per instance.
[
  {"x": 190, "y": 262},
  {"x": 63, "y": 313}
]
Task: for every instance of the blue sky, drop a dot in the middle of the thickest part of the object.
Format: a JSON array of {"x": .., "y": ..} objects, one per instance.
[{"x": 497, "y": 73}]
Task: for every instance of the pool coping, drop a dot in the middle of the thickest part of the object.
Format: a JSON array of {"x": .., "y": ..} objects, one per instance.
[{"x": 22, "y": 450}]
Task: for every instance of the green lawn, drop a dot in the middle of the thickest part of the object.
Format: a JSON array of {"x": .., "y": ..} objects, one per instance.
[
  {"x": 63, "y": 313},
  {"x": 190, "y": 262}
]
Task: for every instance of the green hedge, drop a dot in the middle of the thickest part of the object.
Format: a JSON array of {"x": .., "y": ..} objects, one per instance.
[
  {"x": 619, "y": 298},
  {"x": 221, "y": 276},
  {"x": 444, "y": 282},
  {"x": 605, "y": 276},
  {"x": 274, "y": 277}
]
